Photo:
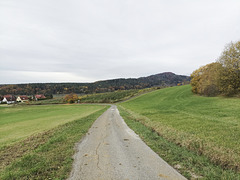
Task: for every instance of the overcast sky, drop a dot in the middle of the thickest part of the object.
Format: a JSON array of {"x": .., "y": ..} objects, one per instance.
[{"x": 90, "y": 40}]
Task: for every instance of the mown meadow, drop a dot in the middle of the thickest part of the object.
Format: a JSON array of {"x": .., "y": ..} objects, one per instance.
[
  {"x": 19, "y": 122},
  {"x": 198, "y": 135},
  {"x": 37, "y": 142}
]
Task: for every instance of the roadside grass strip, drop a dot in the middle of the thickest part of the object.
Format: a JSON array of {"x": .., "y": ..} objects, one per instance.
[
  {"x": 47, "y": 155},
  {"x": 191, "y": 164}
]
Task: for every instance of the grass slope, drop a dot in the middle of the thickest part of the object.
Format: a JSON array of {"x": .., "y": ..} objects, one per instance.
[
  {"x": 47, "y": 155},
  {"x": 208, "y": 126},
  {"x": 188, "y": 163},
  {"x": 20, "y": 122},
  {"x": 113, "y": 97},
  {"x": 109, "y": 97}
]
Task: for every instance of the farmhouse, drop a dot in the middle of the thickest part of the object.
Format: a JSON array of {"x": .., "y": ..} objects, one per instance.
[
  {"x": 9, "y": 99},
  {"x": 39, "y": 97},
  {"x": 22, "y": 98}
]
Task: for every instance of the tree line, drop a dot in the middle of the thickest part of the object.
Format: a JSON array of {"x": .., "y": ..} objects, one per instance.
[
  {"x": 163, "y": 79},
  {"x": 221, "y": 77}
]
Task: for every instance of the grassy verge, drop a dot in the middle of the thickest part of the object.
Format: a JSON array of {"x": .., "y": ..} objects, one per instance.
[
  {"x": 188, "y": 163},
  {"x": 47, "y": 155},
  {"x": 19, "y": 122}
]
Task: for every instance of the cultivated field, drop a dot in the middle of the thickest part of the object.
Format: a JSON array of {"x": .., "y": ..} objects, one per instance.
[
  {"x": 20, "y": 122},
  {"x": 113, "y": 97},
  {"x": 204, "y": 125},
  {"x": 37, "y": 142}
]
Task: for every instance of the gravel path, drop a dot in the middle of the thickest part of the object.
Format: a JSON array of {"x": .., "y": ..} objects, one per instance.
[{"x": 111, "y": 150}]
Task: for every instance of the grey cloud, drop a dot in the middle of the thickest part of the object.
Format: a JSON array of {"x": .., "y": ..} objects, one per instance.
[{"x": 96, "y": 40}]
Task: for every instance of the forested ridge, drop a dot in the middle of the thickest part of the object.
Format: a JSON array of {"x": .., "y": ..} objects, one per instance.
[{"x": 162, "y": 80}]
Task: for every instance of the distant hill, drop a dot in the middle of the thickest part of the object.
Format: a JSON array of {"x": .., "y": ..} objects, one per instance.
[
  {"x": 167, "y": 79},
  {"x": 160, "y": 80}
]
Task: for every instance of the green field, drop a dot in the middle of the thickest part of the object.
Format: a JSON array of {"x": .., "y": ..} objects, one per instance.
[
  {"x": 56, "y": 100},
  {"x": 38, "y": 141},
  {"x": 209, "y": 126},
  {"x": 113, "y": 97},
  {"x": 20, "y": 122}
]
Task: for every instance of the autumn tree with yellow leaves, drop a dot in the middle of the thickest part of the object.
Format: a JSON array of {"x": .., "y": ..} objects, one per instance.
[
  {"x": 205, "y": 80},
  {"x": 71, "y": 98},
  {"x": 230, "y": 73},
  {"x": 221, "y": 77}
]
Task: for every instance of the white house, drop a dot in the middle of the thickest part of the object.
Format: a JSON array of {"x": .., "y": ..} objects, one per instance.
[
  {"x": 9, "y": 99},
  {"x": 22, "y": 98}
]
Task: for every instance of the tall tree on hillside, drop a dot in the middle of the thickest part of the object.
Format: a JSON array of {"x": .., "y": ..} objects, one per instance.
[
  {"x": 210, "y": 79},
  {"x": 205, "y": 80},
  {"x": 230, "y": 73},
  {"x": 195, "y": 79}
]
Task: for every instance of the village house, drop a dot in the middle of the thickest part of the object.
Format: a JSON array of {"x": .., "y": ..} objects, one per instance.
[
  {"x": 9, "y": 99},
  {"x": 39, "y": 97},
  {"x": 22, "y": 98}
]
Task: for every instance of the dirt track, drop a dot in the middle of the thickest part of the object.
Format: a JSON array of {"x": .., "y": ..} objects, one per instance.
[{"x": 111, "y": 150}]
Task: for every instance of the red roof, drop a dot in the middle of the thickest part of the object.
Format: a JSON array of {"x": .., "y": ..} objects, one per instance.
[
  {"x": 10, "y": 97},
  {"x": 23, "y": 97},
  {"x": 40, "y": 96}
]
